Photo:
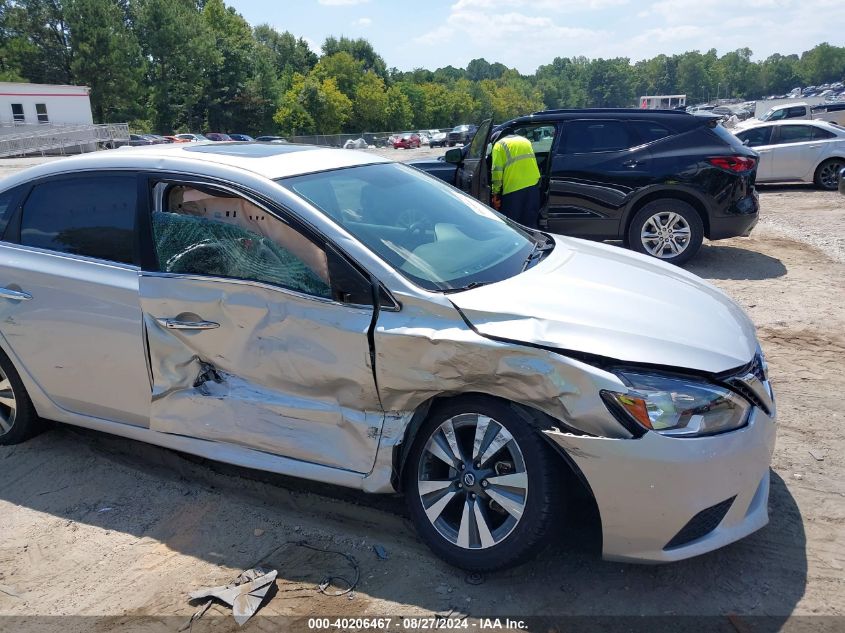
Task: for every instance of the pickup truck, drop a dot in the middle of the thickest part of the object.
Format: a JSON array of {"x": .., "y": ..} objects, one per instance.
[{"x": 832, "y": 112}]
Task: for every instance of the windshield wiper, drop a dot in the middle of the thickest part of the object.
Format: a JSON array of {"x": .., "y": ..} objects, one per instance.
[
  {"x": 537, "y": 254},
  {"x": 469, "y": 286}
]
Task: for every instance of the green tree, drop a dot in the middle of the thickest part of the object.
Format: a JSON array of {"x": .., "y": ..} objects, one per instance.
[
  {"x": 822, "y": 63},
  {"x": 360, "y": 50},
  {"x": 174, "y": 39},
  {"x": 369, "y": 107},
  {"x": 313, "y": 106},
  {"x": 399, "y": 113},
  {"x": 343, "y": 68},
  {"x": 229, "y": 71},
  {"x": 107, "y": 57}
]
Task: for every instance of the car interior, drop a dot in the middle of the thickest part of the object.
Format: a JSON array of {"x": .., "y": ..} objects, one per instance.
[{"x": 209, "y": 231}]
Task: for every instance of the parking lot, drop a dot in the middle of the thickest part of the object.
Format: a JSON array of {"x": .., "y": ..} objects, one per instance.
[{"x": 95, "y": 525}]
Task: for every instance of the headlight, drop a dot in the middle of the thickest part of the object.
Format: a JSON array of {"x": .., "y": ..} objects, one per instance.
[{"x": 678, "y": 406}]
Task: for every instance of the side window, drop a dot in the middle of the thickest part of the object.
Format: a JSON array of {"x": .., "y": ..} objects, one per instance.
[
  {"x": 649, "y": 131},
  {"x": 756, "y": 136},
  {"x": 41, "y": 111},
  {"x": 207, "y": 231},
  {"x": 798, "y": 111},
  {"x": 586, "y": 137},
  {"x": 794, "y": 134},
  {"x": 6, "y": 208},
  {"x": 820, "y": 134},
  {"x": 18, "y": 115},
  {"x": 542, "y": 137},
  {"x": 88, "y": 215}
]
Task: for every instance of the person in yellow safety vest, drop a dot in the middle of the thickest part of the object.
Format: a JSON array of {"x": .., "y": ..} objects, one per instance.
[{"x": 515, "y": 180}]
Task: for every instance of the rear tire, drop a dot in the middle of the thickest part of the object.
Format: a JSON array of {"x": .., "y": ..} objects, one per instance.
[
  {"x": 496, "y": 503},
  {"x": 18, "y": 420},
  {"x": 667, "y": 229},
  {"x": 827, "y": 174}
]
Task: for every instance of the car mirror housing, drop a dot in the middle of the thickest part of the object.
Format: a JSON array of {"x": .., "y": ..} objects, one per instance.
[{"x": 454, "y": 155}]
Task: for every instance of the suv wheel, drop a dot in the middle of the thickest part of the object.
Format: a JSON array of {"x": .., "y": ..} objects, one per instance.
[
  {"x": 827, "y": 175},
  {"x": 482, "y": 487},
  {"x": 18, "y": 420},
  {"x": 667, "y": 229}
]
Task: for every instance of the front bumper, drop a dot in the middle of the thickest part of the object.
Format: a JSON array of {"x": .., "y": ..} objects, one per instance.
[{"x": 648, "y": 489}]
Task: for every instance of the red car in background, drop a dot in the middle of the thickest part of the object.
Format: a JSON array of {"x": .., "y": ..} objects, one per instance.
[{"x": 407, "y": 141}]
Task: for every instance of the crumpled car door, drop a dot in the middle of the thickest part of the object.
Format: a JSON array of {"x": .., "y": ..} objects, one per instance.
[{"x": 269, "y": 369}]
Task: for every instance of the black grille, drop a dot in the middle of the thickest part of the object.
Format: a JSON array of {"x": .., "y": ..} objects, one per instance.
[{"x": 702, "y": 523}]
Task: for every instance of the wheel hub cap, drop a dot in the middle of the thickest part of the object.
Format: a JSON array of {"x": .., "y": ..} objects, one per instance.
[
  {"x": 665, "y": 235},
  {"x": 472, "y": 481}
]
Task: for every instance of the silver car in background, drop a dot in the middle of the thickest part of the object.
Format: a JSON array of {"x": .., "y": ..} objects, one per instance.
[{"x": 331, "y": 315}]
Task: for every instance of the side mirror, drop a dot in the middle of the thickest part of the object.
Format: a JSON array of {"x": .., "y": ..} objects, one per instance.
[{"x": 454, "y": 155}]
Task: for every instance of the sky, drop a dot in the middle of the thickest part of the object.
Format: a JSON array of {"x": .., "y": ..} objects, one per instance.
[{"x": 524, "y": 34}]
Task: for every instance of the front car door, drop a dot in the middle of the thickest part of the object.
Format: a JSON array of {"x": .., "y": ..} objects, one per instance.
[
  {"x": 69, "y": 307},
  {"x": 257, "y": 331},
  {"x": 473, "y": 175},
  {"x": 759, "y": 139},
  {"x": 597, "y": 164}
]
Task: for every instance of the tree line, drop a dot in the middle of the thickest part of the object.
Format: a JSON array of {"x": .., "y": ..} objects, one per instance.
[{"x": 198, "y": 65}]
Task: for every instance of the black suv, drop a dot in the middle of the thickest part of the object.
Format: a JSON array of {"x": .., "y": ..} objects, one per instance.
[
  {"x": 660, "y": 180},
  {"x": 461, "y": 134}
]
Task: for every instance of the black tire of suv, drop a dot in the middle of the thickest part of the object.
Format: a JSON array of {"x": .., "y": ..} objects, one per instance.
[
  {"x": 545, "y": 502},
  {"x": 685, "y": 210},
  {"x": 26, "y": 423},
  {"x": 834, "y": 164}
]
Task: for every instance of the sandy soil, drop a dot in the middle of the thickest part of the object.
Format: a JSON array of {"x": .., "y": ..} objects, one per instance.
[{"x": 94, "y": 525}]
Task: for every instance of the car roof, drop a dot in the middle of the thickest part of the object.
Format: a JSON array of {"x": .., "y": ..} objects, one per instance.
[
  {"x": 813, "y": 122},
  {"x": 270, "y": 160}
]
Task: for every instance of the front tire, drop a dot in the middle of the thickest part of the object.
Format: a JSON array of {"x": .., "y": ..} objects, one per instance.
[
  {"x": 827, "y": 174},
  {"x": 667, "y": 229},
  {"x": 482, "y": 488},
  {"x": 18, "y": 420}
]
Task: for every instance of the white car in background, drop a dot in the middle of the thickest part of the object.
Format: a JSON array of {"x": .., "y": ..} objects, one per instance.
[{"x": 798, "y": 151}]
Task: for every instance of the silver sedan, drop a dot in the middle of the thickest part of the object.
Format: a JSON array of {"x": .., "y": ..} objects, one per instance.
[{"x": 331, "y": 315}]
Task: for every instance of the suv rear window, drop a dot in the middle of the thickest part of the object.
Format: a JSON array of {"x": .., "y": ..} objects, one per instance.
[
  {"x": 649, "y": 131},
  {"x": 585, "y": 137},
  {"x": 92, "y": 216}
]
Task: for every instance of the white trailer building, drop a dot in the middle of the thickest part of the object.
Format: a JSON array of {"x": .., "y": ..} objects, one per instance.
[{"x": 34, "y": 104}]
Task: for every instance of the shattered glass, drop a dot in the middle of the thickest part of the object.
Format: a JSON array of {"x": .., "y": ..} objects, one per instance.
[{"x": 197, "y": 245}]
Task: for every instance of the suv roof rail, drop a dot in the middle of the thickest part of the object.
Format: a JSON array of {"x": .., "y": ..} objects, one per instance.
[{"x": 609, "y": 111}]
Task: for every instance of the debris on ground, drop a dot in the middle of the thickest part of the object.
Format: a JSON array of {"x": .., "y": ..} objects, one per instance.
[
  {"x": 816, "y": 455},
  {"x": 258, "y": 532},
  {"x": 329, "y": 581},
  {"x": 474, "y": 578},
  {"x": 10, "y": 591},
  {"x": 244, "y": 595},
  {"x": 381, "y": 552}
]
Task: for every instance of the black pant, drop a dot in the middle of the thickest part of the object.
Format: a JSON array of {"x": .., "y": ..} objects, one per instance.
[{"x": 523, "y": 206}]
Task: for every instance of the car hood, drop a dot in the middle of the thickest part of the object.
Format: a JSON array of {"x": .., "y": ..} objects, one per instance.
[{"x": 603, "y": 300}]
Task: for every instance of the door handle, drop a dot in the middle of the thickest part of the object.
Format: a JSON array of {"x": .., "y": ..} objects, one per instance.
[
  {"x": 176, "y": 324},
  {"x": 16, "y": 295}
]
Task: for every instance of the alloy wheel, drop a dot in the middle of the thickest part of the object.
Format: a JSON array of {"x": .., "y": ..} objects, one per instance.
[
  {"x": 665, "y": 235},
  {"x": 829, "y": 174},
  {"x": 8, "y": 404},
  {"x": 472, "y": 481}
]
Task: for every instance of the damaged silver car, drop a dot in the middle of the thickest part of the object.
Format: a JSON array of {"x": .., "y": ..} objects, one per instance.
[{"x": 331, "y": 315}]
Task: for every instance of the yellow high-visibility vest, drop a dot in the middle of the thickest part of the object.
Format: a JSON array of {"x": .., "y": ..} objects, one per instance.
[{"x": 514, "y": 165}]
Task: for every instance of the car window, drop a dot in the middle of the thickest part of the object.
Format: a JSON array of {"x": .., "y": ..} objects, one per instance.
[
  {"x": 794, "y": 134},
  {"x": 92, "y": 216},
  {"x": 7, "y": 199},
  {"x": 203, "y": 231},
  {"x": 820, "y": 134},
  {"x": 649, "y": 131},
  {"x": 585, "y": 137},
  {"x": 796, "y": 112},
  {"x": 756, "y": 136},
  {"x": 434, "y": 235}
]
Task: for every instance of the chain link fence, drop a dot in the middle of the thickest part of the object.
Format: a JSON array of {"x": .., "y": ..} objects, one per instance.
[{"x": 377, "y": 139}]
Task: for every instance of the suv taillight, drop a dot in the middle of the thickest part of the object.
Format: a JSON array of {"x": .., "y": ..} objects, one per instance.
[{"x": 733, "y": 163}]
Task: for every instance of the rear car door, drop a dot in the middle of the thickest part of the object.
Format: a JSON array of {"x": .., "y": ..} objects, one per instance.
[
  {"x": 69, "y": 308},
  {"x": 473, "y": 175},
  {"x": 257, "y": 331},
  {"x": 795, "y": 151},
  {"x": 597, "y": 164}
]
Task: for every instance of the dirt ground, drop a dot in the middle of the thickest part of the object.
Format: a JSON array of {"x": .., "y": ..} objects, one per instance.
[{"x": 94, "y": 525}]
